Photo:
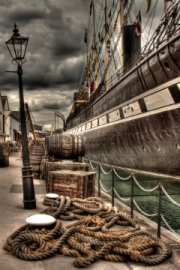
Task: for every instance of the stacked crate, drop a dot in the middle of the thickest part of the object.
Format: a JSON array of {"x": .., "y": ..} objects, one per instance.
[
  {"x": 36, "y": 152},
  {"x": 75, "y": 184},
  {"x": 63, "y": 173},
  {"x": 57, "y": 166}
]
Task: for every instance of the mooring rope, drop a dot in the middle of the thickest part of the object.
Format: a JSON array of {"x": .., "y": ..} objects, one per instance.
[{"x": 100, "y": 232}]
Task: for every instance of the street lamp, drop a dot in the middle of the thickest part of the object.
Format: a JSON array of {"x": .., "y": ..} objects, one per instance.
[
  {"x": 17, "y": 47},
  {"x": 63, "y": 119}
]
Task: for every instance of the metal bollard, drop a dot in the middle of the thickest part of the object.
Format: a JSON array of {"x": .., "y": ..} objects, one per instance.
[
  {"x": 99, "y": 187},
  {"x": 132, "y": 195},
  {"x": 112, "y": 187},
  {"x": 159, "y": 211}
]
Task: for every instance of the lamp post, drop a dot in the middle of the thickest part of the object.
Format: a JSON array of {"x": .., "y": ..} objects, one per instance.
[
  {"x": 63, "y": 119},
  {"x": 17, "y": 47}
]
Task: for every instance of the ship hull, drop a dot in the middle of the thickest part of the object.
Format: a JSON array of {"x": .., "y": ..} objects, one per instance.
[
  {"x": 136, "y": 123},
  {"x": 150, "y": 143}
]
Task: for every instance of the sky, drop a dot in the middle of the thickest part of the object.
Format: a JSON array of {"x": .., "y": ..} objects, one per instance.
[{"x": 56, "y": 38}]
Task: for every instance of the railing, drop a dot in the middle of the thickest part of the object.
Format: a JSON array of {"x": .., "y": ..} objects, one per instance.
[{"x": 133, "y": 180}]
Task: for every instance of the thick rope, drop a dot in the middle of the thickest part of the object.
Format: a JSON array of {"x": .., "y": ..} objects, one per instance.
[{"x": 98, "y": 234}]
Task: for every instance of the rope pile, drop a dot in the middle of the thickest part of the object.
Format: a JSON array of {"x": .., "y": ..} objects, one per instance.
[{"x": 99, "y": 232}]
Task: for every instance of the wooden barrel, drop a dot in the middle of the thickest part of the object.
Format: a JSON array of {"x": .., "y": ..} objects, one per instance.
[
  {"x": 65, "y": 146},
  {"x": 4, "y": 157}
]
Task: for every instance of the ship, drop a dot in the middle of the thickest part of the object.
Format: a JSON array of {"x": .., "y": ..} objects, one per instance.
[{"x": 130, "y": 118}]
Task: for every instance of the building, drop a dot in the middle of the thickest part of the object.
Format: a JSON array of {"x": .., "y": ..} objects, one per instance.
[
  {"x": 10, "y": 124},
  {"x": 38, "y": 129},
  {"x": 14, "y": 126},
  {"x": 4, "y": 114}
]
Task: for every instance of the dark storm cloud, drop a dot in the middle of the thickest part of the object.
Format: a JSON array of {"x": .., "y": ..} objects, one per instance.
[
  {"x": 55, "y": 106},
  {"x": 8, "y": 81},
  {"x": 64, "y": 47},
  {"x": 24, "y": 15},
  {"x": 5, "y": 3},
  {"x": 67, "y": 38},
  {"x": 62, "y": 73},
  {"x": 56, "y": 32},
  {"x": 54, "y": 37},
  {"x": 49, "y": 104}
]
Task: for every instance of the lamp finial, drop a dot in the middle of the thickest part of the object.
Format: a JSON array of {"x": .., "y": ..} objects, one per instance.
[{"x": 15, "y": 31}]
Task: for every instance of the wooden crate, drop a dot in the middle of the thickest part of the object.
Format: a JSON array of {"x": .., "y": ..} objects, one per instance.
[
  {"x": 57, "y": 166},
  {"x": 75, "y": 184}
]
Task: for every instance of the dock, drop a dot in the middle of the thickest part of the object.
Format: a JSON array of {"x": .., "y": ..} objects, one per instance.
[{"x": 13, "y": 215}]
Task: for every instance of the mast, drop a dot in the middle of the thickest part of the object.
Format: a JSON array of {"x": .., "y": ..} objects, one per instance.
[
  {"x": 106, "y": 44},
  {"x": 30, "y": 121},
  {"x": 121, "y": 39},
  {"x": 87, "y": 51},
  {"x": 167, "y": 4},
  {"x": 94, "y": 46}
]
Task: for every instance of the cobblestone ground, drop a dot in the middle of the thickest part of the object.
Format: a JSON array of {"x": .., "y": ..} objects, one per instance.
[{"x": 12, "y": 216}]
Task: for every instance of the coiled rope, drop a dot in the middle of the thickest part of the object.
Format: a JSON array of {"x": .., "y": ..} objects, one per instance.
[{"x": 99, "y": 232}]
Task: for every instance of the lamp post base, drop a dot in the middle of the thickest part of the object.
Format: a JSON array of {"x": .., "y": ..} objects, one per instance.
[
  {"x": 30, "y": 204},
  {"x": 28, "y": 187}
]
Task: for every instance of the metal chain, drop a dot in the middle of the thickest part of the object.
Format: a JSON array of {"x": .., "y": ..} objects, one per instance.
[
  {"x": 146, "y": 190},
  {"x": 146, "y": 214},
  {"x": 121, "y": 197},
  {"x": 83, "y": 160},
  {"x": 175, "y": 203},
  {"x": 104, "y": 188},
  {"x": 121, "y": 178},
  {"x": 169, "y": 227},
  {"x": 104, "y": 171},
  {"x": 93, "y": 167}
]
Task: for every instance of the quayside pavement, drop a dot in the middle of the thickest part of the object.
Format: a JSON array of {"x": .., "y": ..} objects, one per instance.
[{"x": 12, "y": 216}]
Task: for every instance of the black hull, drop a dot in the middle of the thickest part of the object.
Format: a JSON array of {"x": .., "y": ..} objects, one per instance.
[
  {"x": 148, "y": 137},
  {"x": 150, "y": 143}
]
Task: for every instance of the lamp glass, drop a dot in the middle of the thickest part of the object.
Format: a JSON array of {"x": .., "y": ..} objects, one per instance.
[{"x": 17, "y": 47}]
